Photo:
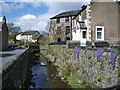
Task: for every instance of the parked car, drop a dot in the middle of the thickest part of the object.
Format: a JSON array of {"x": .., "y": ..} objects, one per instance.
[
  {"x": 11, "y": 44},
  {"x": 100, "y": 44}
]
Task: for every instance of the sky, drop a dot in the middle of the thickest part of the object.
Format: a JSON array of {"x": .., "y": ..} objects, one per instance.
[{"x": 33, "y": 14}]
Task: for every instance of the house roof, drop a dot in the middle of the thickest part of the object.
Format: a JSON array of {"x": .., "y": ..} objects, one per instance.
[
  {"x": 82, "y": 9},
  {"x": 29, "y": 32},
  {"x": 33, "y": 33},
  {"x": 66, "y": 14},
  {"x": 36, "y": 36}
]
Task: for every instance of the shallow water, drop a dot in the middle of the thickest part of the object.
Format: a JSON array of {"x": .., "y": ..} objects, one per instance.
[{"x": 45, "y": 75}]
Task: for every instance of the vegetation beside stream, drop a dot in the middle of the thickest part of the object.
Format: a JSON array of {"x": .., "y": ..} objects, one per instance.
[{"x": 65, "y": 72}]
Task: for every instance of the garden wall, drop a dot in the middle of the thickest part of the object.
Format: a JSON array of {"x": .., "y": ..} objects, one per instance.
[
  {"x": 97, "y": 72},
  {"x": 14, "y": 76}
]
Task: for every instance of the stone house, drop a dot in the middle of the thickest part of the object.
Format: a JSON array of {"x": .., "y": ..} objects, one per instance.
[
  {"x": 81, "y": 26},
  {"x": 3, "y": 34},
  {"x": 28, "y": 36},
  {"x": 98, "y": 22},
  {"x": 61, "y": 26}
]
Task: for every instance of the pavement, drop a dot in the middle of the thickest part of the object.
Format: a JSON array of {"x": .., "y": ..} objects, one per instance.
[{"x": 9, "y": 56}]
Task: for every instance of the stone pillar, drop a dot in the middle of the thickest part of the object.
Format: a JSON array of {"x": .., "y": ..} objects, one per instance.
[{"x": 4, "y": 34}]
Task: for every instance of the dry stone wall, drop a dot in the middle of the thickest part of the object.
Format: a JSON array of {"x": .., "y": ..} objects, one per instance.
[{"x": 86, "y": 67}]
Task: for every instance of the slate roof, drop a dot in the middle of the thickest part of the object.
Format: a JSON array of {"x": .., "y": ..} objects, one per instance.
[
  {"x": 33, "y": 33},
  {"x": 36, "y": 36},
  {"x": 28, "y": 32},
  {"x": 82, "y": 9},
  {"x": 66, "y": 14}
]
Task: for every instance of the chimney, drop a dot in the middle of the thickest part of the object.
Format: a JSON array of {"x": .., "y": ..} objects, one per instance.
[
  {"x": 83, "y": 6},
  {"x": 4, "y": 19}
]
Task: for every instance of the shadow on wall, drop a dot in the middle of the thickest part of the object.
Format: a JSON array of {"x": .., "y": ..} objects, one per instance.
[{"x": 6, "y": 55}]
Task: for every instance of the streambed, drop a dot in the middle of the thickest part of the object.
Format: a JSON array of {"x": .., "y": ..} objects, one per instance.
[{"x": 45, "y": 75}]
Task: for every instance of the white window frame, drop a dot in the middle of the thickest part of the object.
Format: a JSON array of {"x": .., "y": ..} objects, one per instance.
[{"x": 101, "y": 32}]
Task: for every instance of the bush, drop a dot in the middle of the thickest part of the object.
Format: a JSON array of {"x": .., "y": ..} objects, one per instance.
[
  {"x": 89, "y": 44},
  {"x": 73, "y": 44}
]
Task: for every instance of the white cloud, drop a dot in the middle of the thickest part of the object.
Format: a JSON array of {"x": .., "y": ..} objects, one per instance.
[
  {"x": 1, "y": 19},
  {"x": 28, "y": 17},
  {"x": 30, "y": 21},
  {"x": 47, "y": 0},
  {"x": 11, "y": 7}
]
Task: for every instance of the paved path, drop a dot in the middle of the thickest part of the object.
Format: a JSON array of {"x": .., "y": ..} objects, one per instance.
[{"x": 7, "y": 57}]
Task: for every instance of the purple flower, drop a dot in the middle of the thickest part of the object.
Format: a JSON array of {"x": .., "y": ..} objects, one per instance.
[
  {"x": 113, "y": 59},
  {"x": 99, "y": 52},
  {"x": 76, "y": 52}
]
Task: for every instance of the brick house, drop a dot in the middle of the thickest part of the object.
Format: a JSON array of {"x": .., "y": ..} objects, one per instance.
[
  {"x": 3, "y": 34},
  {"x": 61, "y": 26}
]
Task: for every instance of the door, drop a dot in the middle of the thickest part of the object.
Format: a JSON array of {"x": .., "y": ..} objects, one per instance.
[
  {"x": 59, "y": 40},
  {"x": 83, "y": 38}
]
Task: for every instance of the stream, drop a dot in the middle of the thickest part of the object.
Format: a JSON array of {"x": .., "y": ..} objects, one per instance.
[{"x": 45, "y": 75}]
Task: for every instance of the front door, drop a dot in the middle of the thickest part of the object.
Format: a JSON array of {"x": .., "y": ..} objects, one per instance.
[
  {"x": 83, "y": 38},
  {"x": 59, "y": 40}
]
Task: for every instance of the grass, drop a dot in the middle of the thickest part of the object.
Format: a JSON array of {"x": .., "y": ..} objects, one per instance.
[
  {"x": 115, "y": 50},
  {"x": 99, "y": 79},
  {"x": 65, "y": 72},
  {"x": 72, "y": 80}
]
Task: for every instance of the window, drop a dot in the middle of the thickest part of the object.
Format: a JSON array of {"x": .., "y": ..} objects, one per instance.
[
  {"x": 84, "y": 34},
  {"x": 58, "y": 30},
  {"x": 67, "y": 29},
  {"x": 59, "y": 40},
  {"x": 67, "y": 19},
  {"x": 99, "y": 33},
  {"x": 67, "y": 38},
  {"x": 58, "y": 20}
]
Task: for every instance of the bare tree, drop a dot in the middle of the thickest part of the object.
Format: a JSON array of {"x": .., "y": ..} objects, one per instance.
[{"x": 13, "y": 31}]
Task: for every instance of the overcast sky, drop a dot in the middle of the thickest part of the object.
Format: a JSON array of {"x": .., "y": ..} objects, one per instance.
[{"x": 35, "y": 15}]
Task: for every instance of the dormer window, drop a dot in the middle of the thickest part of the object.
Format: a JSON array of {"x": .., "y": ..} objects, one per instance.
[
  {"x": 58, "y": 20},
  {"x": 67, "y": 19}
]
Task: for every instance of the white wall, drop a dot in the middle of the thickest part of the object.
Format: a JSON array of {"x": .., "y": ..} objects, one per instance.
[{"x": 18, "y": 37}]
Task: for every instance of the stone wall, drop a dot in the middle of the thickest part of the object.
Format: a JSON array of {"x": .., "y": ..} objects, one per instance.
[
  {"x": 53, "y": 30},
  {"x": 15, "y": 75},
  {"x": 86, "y": 67}
]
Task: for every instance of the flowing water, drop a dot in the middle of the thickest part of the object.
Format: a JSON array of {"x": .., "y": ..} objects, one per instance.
[{"x": 45, "y": 75}]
